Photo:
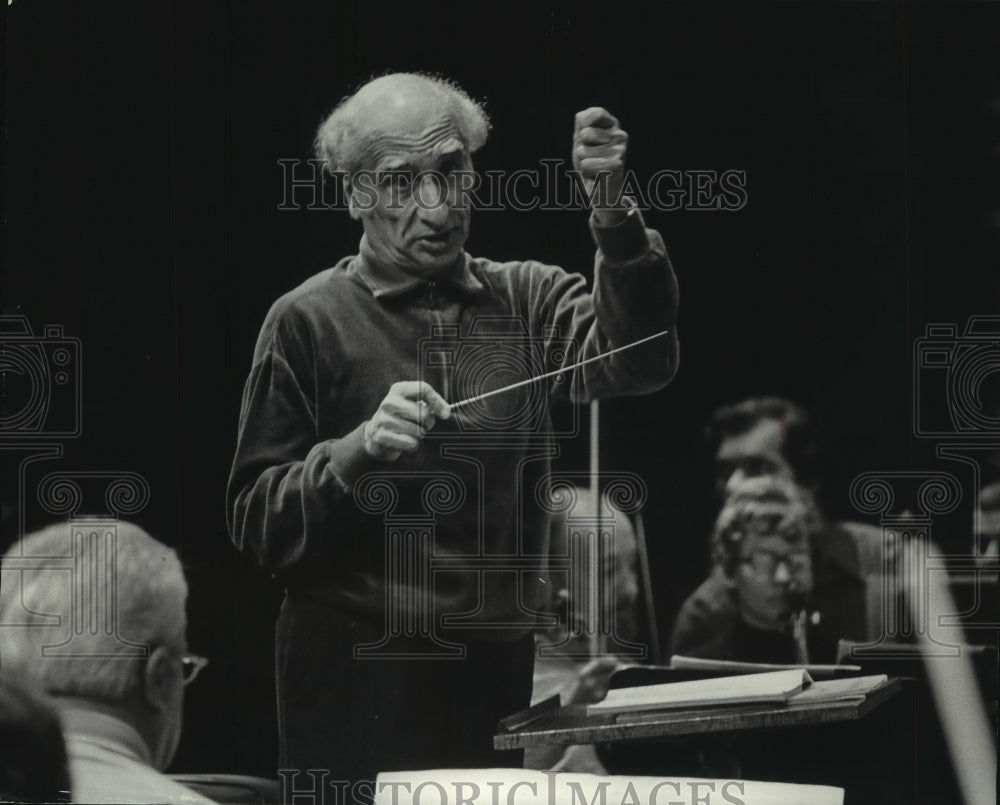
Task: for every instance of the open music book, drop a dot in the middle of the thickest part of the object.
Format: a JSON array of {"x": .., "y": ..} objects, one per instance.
[{"x": 774, "y": 687}]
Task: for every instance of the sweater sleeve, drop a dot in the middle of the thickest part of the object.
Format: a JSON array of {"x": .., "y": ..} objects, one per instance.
[
  {"x": 707, "y": 613},
  {"x": 288, "y": 489},
  {"x": 635, "y": 295}
]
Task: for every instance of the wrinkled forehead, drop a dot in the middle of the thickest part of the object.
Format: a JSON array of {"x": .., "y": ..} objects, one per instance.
[{"x": 408, "y": 143}]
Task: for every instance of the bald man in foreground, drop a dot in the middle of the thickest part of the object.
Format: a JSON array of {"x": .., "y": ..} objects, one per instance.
[{"x": 397, "y": 658}]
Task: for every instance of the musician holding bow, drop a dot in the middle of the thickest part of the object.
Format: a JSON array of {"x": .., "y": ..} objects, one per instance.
[{"x": 342, "y": 392}]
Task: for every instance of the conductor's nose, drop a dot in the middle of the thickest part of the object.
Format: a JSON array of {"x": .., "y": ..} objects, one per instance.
[{"x": 435, "y": 200}]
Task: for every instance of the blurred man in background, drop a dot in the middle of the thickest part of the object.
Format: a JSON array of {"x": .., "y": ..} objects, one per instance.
[
  {"x": 119, "y": 692},
  {"x": 762, "y": 543},
  {"x": 774, "y": 437}
]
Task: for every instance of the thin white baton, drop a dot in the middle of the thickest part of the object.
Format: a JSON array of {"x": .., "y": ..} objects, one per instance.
[{"x": 555, "y": 372}]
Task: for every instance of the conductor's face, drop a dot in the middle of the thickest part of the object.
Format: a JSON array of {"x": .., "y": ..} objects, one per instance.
[
  {"x": 411, "y": 209},
  {"x": 408, "y": 189}
]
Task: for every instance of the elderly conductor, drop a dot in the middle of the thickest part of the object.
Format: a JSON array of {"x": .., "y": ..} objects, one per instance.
[{"x": 387, "y": 666}]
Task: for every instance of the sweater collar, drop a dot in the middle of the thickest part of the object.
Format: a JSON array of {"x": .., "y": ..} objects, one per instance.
[{"x": 386, "y": 280}]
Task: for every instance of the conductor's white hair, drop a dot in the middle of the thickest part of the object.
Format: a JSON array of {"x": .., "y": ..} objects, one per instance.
[
  {"x": 340, "y": 145},
  {"x": 148, "y": 587}
]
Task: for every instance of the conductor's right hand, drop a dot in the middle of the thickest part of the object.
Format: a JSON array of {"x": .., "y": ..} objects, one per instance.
[{"x": 409, "y": 410}]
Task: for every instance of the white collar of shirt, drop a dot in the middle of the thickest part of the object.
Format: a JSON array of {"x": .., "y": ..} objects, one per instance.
[{"x": 106, "y": 731}]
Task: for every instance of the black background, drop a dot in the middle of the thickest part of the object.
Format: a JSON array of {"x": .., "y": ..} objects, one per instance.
[{"x": 142, "y": 187}]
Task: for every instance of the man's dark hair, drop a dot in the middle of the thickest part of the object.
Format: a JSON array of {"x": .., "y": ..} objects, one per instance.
[{"x": 798, "y": 444}]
